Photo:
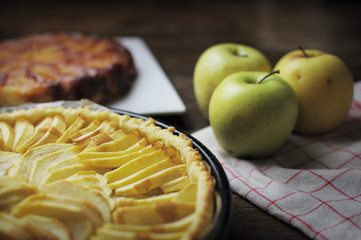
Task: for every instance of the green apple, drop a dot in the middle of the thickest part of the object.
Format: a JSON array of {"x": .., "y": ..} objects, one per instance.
[
  {"x": 324, "y": 88},
  {"x": 252, "y": 113},
  {"x": 219, "y": 61}
]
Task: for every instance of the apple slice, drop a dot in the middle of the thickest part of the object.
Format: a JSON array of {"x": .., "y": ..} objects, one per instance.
[
  {"x": 142, "y": 174},
  {"x": 41, "y": 165},
  {"x": 94, "y": 141},
  {"x": 175, "y": 185},
  {"x": 142, "y": 143},
  {"x": 188, "y": 194},
  {"x": 75, "y": 126},
  {"x": 65, "y": 188},
  {"x": 151, "y": 214},
  {"x": 66, "y": 168},
  {"x": 117, "y": 134},
  {"x": 105, "y": 127},
  {"x": 90, "y": 128},
  {"x": 12, "y": 228},
  {"x": 89, "y": 210},
  {"x": 88, "y": 178},
  {"x": 55, "y": 131},
  {"x": 117, "y": 161},
  {"x": 53, "y": 174},
  {"x": 39, "y": 131},
  {"x": 9, "y": 201},
  {"x": 24, "y": 166},
  {"x": 135, "y": 165},
  {"x": 112, "y": 234},
  {"x": 23, "y": 131},
  {"x": 12, "y": 191},
  {"x": 8, "y": 135},
  {"x": 92, "y": 180},
  {"x": 127, "y": 201},
  {"x": 119, "y": 144},
  {"x": 46, "y": 227},
  {"x": 174, "y": 226},
  {"x": 73, "y": 217},
  {"x": 153, "y": 181},
  {"x": 7, "y": 160}
]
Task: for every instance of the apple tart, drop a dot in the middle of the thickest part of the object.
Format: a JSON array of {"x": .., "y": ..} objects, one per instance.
[
  {"x": 78, "y": 173},
  {"x": 46, "y": 67}
]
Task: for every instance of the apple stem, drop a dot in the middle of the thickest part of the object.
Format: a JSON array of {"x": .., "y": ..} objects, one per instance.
[
  {"x": 303, "y": 51},
  {"x": 274, "y": 72}
]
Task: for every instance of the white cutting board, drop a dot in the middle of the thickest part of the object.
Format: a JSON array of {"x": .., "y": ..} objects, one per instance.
[{"x": 152, "y": 92}]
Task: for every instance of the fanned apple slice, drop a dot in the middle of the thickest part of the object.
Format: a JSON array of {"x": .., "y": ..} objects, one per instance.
[
  {"x": 151, "y": 214},
  {"x": 188, "y": 194},
  {"x": 90, "y": 128},
  {"x": 8, "y": 135},
  {"x": 135, "y": 165},
  {"x": 23, "y": 131},
  {"x": 142, "y": 143},
  {"x": 24, "y": 166},
  {"x": 101, "y": 201},
  {"x": 153, "y": 181},
  {"x": 9, "y": 201},
  {"x": 12, "y": 228},
  {"x": 108, "y": 126},
  {"x": 119, "y": 133},
  {"x": 119, "y": 144},
  {"x": 92, "y": 180},
  {"x": 127, "y": 201},
  {"x": 143, "y": 174},
  {"x": 10, "y": 180},
  {"x": 91, "y": 212},
  {"x": 55, "y": 131},
  {"x": 65, "y": 169},
  {"x": 39, "y": 131},
  {"x": 7, "y": 160},
  {"x": 41, "y": 165},
  {"x": 64, "y": 172},
  {"x": 112, "y": 234},
  {"x": 94, "y": 141},
  {"x": 175, "y": 226},
  {"x": 71, "y": 216},
  {"x": 175, "y": 185},
  {"x": 105, "y": 127},
  {"x": 12, "y": 191},
  {"x": 75, "y": 126},
  {"x": 46, "y": 227},
  {"x": 120, "y": 160}
]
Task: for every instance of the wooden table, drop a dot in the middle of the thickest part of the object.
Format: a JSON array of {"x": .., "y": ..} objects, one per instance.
[{"x": 177, "y": 33}]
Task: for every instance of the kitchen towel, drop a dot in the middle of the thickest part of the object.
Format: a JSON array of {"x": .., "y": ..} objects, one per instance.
[{"x": 312, "y": 183}]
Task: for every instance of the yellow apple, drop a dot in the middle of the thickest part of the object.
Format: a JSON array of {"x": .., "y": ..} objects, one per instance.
[
  {"x": 324, "y": 88},
  {"x": 221, "y": 60},
  {"x": 252, "y": 113}
]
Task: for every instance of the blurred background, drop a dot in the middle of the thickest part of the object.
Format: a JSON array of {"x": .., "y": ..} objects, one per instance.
[{"x": 177, "y": 32}]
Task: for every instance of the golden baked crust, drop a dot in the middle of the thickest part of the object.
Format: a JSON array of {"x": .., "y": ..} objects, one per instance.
[
  {"x": 61, "y": 66},
  {"x": 119, "y": 177}
]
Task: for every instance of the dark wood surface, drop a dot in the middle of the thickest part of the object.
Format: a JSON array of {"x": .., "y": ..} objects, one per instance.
[{"x": 178, "y": 32}]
